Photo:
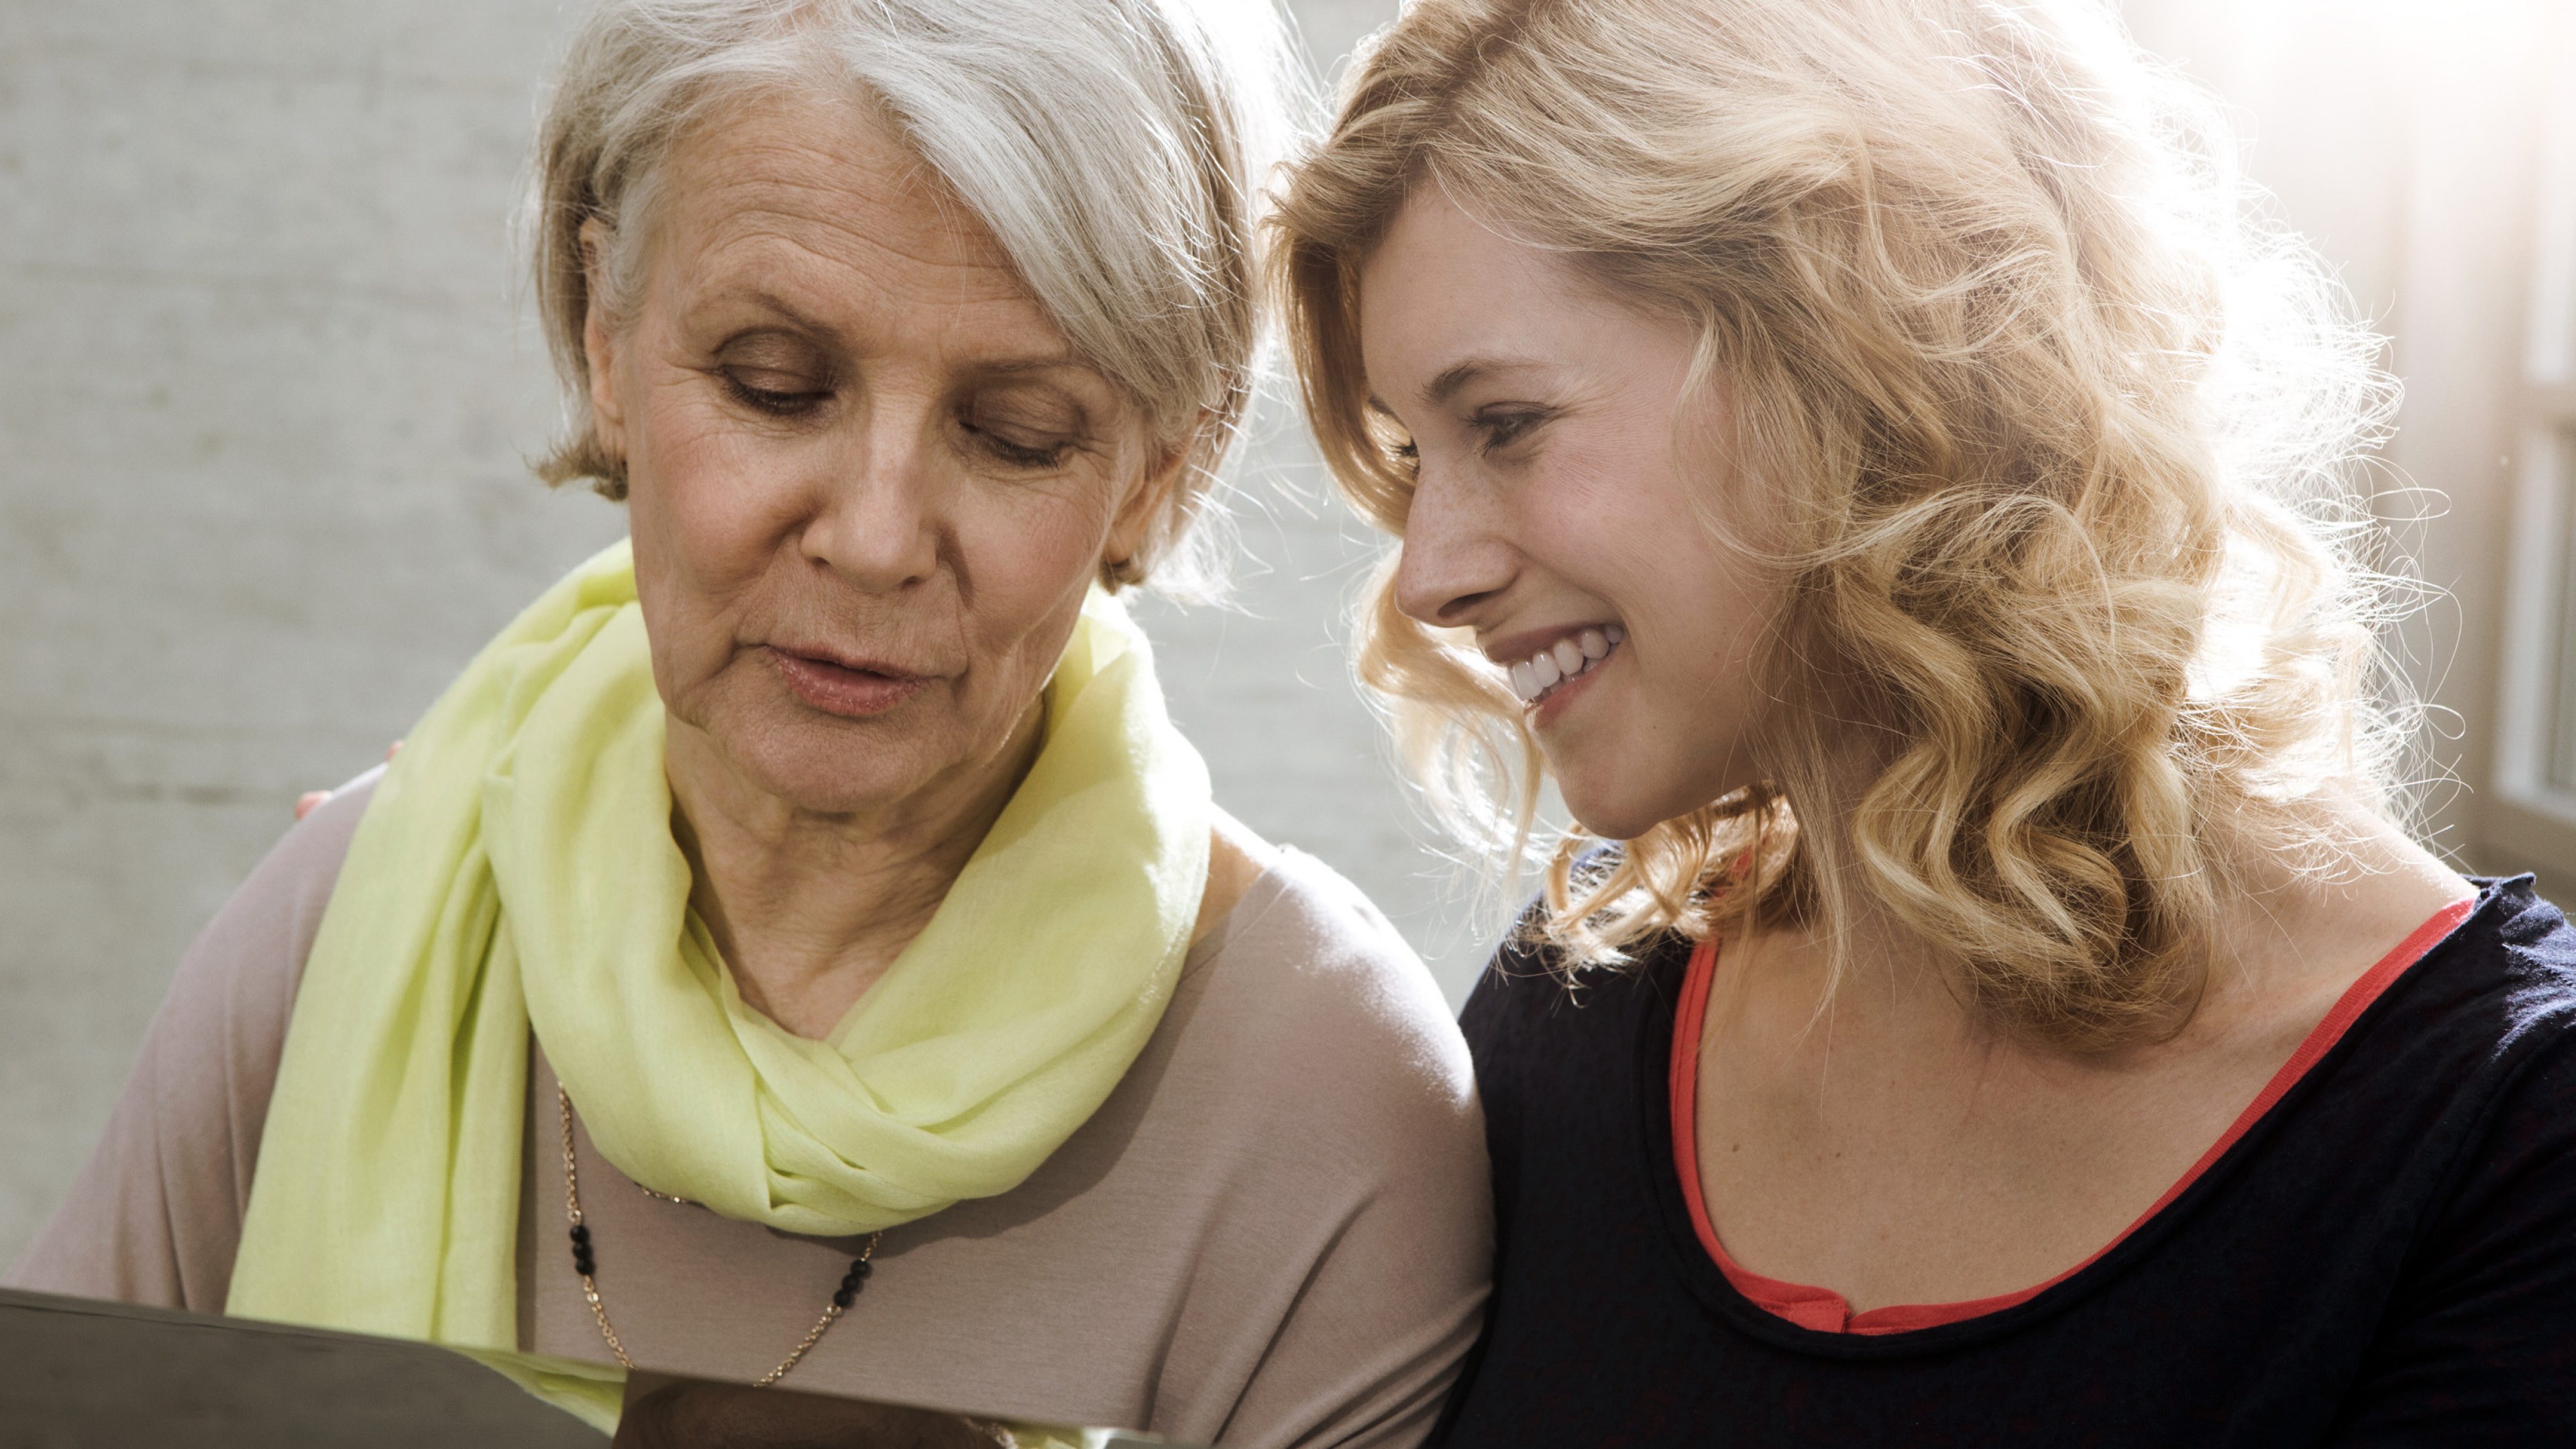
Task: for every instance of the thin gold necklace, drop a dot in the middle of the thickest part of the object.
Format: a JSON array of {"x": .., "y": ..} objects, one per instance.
[{"x": 582, "y": 1263}]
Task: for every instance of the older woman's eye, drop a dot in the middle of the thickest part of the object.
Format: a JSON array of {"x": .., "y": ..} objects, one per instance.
[
  {"x": 1019, "y": 431},
  {"x": 779, "y": 394},
  {"x": 1015, "y": 453}
]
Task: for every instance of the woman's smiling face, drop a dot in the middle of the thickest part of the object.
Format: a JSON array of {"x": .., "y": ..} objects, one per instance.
[
  {"x": 870, "y": 481},
  {"x": 1568, "y": 476}
]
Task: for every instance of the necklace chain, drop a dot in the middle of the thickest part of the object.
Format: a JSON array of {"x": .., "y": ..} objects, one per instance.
[{"x": 583, "y": 1264}]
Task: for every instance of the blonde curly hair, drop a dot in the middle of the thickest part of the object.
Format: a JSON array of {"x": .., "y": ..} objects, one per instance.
[{"x": 2069, "y": 442}]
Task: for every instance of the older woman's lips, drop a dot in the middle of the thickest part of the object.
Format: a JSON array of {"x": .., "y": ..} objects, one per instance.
[{"x": 837, "y": 688}]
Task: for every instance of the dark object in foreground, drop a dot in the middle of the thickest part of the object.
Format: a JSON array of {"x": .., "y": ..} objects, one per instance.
[
  {"x": 696, "y": 1414},
  {"x": 83, "y": 1372}
]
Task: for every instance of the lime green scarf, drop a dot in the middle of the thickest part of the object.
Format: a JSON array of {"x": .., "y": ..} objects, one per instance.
[{"x": 516, "y": 871}]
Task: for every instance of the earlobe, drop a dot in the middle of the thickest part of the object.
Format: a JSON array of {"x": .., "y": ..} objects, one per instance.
[
  {"x": 1152, "y": 494},
  {"x": 599, "y": 343}
]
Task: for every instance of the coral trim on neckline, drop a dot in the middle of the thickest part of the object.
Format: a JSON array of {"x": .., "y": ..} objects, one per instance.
[{"x": 1826, "y": 1311}]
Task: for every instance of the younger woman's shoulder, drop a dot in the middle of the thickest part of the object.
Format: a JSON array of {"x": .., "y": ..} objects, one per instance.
[
  {"x": 1532, "y": 984},
  {"x": 2504, "y": 981},
  {"x": 2486, "y": 1023},
  {"x": 2530, "y": 934}
]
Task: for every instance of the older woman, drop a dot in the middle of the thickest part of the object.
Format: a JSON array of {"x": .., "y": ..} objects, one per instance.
[
  {"x": 1994, "y": 998},
  {"x": 801, "y": 945}
]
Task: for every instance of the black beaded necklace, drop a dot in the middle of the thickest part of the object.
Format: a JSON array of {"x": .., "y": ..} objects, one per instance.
[{"x": 585, "y": 1265}]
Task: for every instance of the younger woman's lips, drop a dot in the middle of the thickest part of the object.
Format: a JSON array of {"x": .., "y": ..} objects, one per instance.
[
  {"x": 839, "y": 689},
  {"x": 1546, "y": 710}
]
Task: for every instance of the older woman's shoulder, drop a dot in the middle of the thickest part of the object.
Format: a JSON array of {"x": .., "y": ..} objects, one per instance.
[
  {"x": 155, "y": 1215},
  {"x": 236, "y": 986},
  {"x": 280, "y": 905},
  {"x": 1307, "y": 975}
]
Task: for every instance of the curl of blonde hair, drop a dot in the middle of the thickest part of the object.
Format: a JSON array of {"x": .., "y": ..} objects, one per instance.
[{"x": 2067, "y": 440}]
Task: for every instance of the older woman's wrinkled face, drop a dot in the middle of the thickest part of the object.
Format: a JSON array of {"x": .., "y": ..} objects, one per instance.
[{"x": 869, "y": 480}]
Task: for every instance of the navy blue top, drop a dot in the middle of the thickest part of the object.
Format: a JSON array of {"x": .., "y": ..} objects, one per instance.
[{"x": 2387, "y": 1256}]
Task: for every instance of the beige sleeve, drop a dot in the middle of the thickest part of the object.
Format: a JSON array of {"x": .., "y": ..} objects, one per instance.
[
  {"x": 155, "y": 1215},
  {"x": 1362, "y": 1254},
  {"x": 1387, "y": 1312}
]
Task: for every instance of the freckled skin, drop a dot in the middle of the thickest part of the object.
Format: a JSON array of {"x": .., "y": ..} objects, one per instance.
[{"x": 1598, "y": 509}]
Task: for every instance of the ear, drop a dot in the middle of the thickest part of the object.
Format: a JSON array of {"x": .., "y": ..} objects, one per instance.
[
  {"x": 1152, "y": 494},
  {"x": 599, "y": 343}
]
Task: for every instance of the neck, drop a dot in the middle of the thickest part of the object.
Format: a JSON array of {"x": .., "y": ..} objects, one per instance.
[{"x": 809, "y": 909}]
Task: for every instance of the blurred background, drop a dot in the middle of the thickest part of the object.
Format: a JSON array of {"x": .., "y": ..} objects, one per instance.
[{"x": 268, "y": 385}]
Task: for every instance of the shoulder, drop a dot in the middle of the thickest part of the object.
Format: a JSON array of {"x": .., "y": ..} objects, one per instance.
[
  {"x": 2501, "y": 987},
  {"x": 267, "y": 927},
  {"x": 1531, "y": 998},
  {"x": 2478, "y": 1332},
  {"x": 2465, "y": 1068},
  {"x": 155, "y": 1214},
  {"x": 2501, "y": 1000},
  {"x": 1312, "y": 1106},
  {"x": 1308, "y": 983},
  {"x": 226, "y": 1013},
  {"x": 225, "y": 1016},
  {"x": 1558, "y": 1047},
  {"x": 2528, "y": 943}
]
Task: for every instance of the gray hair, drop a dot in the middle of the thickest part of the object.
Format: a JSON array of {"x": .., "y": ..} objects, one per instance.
[{"x": 1115, "y": 149}]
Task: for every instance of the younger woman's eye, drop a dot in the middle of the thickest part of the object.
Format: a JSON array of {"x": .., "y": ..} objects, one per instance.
[{"x": 1502, "y": 429}]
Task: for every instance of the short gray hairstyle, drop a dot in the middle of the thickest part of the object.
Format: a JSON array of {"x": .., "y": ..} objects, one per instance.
[{"x": 1115, "y": 148}]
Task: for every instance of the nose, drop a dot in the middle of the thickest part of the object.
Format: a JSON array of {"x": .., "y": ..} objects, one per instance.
[
  {"x": 877, "y": 521},
  {"x": 1454, "y": 557}
]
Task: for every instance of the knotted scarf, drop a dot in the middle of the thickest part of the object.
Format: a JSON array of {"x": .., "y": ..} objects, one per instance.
[{"x": 516, "y": 871}]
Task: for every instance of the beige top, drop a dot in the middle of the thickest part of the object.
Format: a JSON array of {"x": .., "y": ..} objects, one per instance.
[{"x": 1276, "y": 1231}]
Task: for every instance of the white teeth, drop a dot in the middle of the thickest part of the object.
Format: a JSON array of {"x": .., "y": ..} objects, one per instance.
[{"x": 1575, "y": 654}]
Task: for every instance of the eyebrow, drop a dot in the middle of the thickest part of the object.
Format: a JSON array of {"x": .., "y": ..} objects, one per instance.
[
  {"x": 1064, "y": 357},
  {"x": 1047, "y": 362},
  {"x": 769, "y": 301},
  {"x": 1457, "y": 375}
]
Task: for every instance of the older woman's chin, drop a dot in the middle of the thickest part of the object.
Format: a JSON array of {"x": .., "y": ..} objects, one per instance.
[
  {"x": 953, "y": 753},
  {"x": 810, "y": 762}
]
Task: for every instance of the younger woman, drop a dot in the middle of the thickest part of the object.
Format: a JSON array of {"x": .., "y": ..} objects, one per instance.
[{"x": 1861, "y": 449}]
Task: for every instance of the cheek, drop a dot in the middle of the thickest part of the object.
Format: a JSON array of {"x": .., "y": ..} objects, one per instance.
[
  {"x": 722, "y": 494},
  {"x": 707, "y": 509},
  {"x": 1632, "y": 535},
  {"x": 1697, "y": 612},
  {"x": 1621, "y": 525},
  {"x": 1024, "y": 555}
]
